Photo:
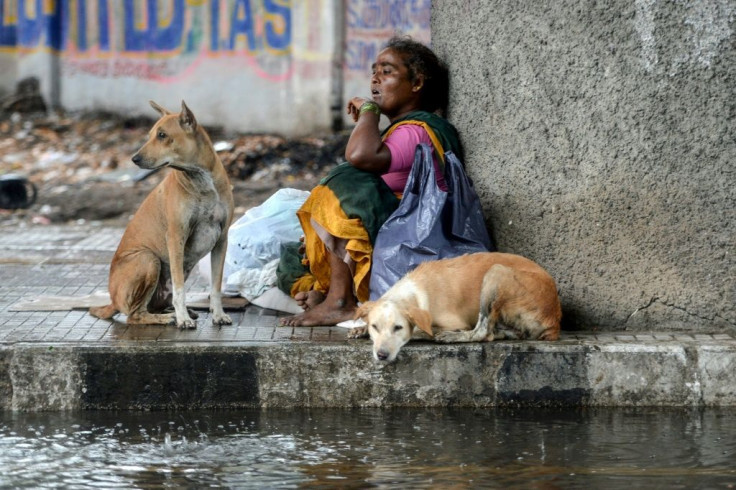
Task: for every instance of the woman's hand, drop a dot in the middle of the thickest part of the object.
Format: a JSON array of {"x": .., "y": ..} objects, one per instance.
[
  {"x": 354, "y": 106},
  {"x": 365, "y": 150}
]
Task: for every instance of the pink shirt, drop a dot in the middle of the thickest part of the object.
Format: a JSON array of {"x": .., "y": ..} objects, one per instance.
[{"x": 402, "y": 143}]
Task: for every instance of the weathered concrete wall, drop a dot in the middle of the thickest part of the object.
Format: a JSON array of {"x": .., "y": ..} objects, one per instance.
[
  {"x": 259, "y": 65},
  {"x": 279, "y": 66},
  {"x": 7, "y": 73},
  {"x": 601, "y": 139}
]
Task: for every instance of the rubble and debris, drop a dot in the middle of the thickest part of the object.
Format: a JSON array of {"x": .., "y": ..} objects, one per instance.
[
  {"x": 16, "y": 192},
  {"x": 27, "y": 98},
  {"x": 80, "y": 164}
]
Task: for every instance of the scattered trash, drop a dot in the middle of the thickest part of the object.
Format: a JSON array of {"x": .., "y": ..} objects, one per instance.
[
  {"x": 40, "y": 220},
  {"x": 27, "y": 97},
  {"x": 16, "y": 192},
  {"x": 80, "y": 163},
  {"x": 223, "y": 146}
]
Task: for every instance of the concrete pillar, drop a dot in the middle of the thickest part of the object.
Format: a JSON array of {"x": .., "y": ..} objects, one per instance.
[{"x": 601, "y": 138}]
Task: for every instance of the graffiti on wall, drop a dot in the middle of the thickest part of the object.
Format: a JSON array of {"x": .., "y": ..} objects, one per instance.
[
  {"x": 167, "y": 39},
  {"x": 370, "y": 23},
  {"x": 151, "y": 38}
]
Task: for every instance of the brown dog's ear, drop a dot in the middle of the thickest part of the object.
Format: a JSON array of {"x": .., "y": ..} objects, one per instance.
[
  {"x": 186, "y": 118},
  {"x": 421, "y": 318},
  {"x": 159, "y": 109},
  {"x": 364, "y": 309}
]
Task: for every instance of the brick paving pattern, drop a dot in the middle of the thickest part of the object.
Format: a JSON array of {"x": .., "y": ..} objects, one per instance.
[{"x": 74, "y": 261}]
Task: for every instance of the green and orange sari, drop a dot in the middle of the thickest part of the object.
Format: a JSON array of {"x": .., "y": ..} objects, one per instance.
[{"x": 351, "y": 205}]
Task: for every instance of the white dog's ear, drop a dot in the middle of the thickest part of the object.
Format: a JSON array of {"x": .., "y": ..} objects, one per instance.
[
  {"x": 364, "y": 309},
  {"x": 159, "y": 109},
  {"x": 186, "y": 118},
  {"x": 421, "y": 318}
]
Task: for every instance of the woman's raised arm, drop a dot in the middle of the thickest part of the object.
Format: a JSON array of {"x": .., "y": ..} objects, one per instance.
[{"x": 365, "y": 150}]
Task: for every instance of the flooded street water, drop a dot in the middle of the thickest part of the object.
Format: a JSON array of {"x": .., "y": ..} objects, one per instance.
[{"x": 402, "y": 448}]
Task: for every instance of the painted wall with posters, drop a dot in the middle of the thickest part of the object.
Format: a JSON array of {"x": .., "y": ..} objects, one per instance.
[
  {"x": 252, "y": 65},
  {"x": 248, "y": 65}
]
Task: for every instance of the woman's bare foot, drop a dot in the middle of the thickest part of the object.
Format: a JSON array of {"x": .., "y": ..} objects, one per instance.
[
  {"x": 325, "y": 313},
  {"x": 338, "y": 306},
  {"x": 309, "y": 299}
]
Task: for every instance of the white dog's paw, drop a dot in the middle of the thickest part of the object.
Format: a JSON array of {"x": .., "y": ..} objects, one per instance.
[
  {"x": 358, "y": 333},
  {"x": 447, "y": 337},
  {"x": 186, "y": 324},
  {"x": 221, "y": 319}
]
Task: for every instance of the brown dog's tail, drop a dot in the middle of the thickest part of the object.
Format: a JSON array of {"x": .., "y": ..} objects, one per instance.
[{"x": 104, "y": 312}]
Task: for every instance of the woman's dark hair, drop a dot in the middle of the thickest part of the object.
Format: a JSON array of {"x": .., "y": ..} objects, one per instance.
[{"x": 420, "y": 60}]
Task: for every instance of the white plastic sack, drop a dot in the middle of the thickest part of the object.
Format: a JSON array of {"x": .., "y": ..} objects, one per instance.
[
  {"x": 254, "y": 242},
  {"x": 251, "y": 282},
  {"x": 276, "y": 299}
]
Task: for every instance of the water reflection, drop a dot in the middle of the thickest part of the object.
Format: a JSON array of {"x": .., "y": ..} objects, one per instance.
[{"x": 364, "y": 448}]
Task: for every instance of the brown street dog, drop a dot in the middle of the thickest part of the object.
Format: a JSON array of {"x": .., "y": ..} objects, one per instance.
[
  {"x": 185, "y": 217},
  {"x": 505, "y": 296}
]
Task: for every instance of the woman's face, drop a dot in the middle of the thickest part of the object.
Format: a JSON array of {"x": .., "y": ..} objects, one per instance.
[{"x": 391, "y": 88}]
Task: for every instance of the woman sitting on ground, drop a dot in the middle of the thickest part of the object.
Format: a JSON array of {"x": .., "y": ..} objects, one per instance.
[{"x": 342, "y": 216}]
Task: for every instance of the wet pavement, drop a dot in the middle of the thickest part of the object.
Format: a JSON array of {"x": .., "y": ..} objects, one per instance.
[
  {"x": 74, "y": 261},
  {"x": 55, "y": 360}
]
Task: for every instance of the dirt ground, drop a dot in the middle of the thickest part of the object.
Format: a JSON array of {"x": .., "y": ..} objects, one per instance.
[{"x": 81, "y": 166}]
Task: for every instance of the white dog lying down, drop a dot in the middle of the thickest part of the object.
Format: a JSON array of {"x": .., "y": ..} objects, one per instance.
[{"x": 505, "y": 296}]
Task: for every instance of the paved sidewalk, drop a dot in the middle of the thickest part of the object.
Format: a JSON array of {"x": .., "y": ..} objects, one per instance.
[
  {"x": 69, "y": 359},
  {"x": 74, "y": 261}
]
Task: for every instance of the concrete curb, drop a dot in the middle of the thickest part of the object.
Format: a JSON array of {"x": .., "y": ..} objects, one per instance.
[{"x": 156, "y": 375}]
